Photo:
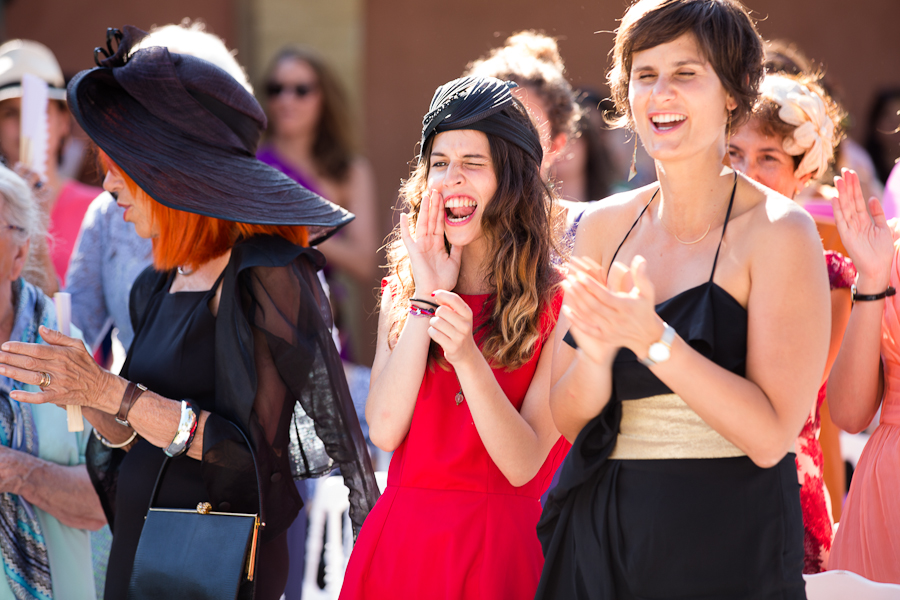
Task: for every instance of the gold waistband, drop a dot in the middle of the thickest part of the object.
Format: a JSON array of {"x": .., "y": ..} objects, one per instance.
[{"x": 661, "y": 427}]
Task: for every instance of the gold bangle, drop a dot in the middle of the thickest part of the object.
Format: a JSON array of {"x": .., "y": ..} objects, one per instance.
[{"x": 109, "y": 444}]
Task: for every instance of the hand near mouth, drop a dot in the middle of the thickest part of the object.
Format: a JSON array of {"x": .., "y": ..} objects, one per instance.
[{"x": 432, "y": 266}]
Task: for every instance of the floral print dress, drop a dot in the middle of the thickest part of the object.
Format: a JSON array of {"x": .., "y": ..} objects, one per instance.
[{"x": 814, "y": 499}]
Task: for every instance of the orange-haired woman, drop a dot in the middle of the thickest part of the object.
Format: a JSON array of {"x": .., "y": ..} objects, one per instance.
[{"x": 231, "y": 327}]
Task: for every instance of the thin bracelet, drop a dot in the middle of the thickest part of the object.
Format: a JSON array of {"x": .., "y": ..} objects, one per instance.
[
  {"x": 109, "y": 444},
  {"x": 421, "y": 312},
  {"x": 428, "y": 302}
]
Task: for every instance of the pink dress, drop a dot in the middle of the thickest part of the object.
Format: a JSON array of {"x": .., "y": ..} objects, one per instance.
[
  {"x": 65, "y": 223},
  {"x": 814, "y": 499},
  {"x": 868, "y": 539},
  {"x": 449, "y": 525}
]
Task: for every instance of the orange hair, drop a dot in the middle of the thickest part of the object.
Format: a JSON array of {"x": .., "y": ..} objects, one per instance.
[{"x": 189, "y": 240}]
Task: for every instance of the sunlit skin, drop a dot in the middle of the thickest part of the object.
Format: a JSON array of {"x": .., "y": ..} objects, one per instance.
[
  {"x": 461, "y": 170},
  {"x": 137, "y": 206},
  {"x": 680, "y": 110},
  {"x": 675, "y": 82},
  {"x": 762, "y": 158},
  {"x": 462, "y": 176}
]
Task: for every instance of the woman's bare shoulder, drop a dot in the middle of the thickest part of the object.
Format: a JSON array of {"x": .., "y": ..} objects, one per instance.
[
  {"x": 779, "y": 228},
  {"x": 615, "y": 210}
]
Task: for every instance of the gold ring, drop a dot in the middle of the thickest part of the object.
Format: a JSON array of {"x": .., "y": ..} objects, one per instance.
[{"x": 45, "y": 380}]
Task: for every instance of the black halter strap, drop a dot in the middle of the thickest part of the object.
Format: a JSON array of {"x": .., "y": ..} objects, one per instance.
[{"x": 724, "y": 227}]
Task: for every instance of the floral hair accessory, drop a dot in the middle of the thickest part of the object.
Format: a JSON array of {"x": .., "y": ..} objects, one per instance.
[{"x": 804, "y": 109}]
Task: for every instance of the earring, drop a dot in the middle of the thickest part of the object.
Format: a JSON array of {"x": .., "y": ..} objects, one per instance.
[
  {"x": 632, "y": 172},
  {"x": 728, "y": 132}
]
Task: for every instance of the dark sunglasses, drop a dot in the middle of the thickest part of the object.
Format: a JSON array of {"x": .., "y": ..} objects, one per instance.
[{"x": 301, "y": 90}]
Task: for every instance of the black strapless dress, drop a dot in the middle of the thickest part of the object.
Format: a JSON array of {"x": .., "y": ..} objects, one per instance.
[{"x": 699, "y": 528}]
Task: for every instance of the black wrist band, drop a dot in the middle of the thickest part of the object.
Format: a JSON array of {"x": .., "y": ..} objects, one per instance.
[
  {"x": 857, "y": 297},
  {"x": 428, "y": 302}
]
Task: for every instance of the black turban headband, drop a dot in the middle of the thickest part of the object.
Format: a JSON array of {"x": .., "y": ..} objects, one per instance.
[{"x": 478, "y": 103}]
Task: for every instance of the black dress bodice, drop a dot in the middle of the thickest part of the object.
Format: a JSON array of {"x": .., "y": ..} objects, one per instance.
[
  {"x": 714, "y": 528},
  {"x": 174, "y": 356}
]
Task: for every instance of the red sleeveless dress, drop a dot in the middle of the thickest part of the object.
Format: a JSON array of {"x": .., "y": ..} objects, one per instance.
[{"x": 450, "y": 525}]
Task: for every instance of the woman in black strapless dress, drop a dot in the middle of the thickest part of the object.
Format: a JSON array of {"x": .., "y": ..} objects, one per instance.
[{"x": 683, "y": 412}]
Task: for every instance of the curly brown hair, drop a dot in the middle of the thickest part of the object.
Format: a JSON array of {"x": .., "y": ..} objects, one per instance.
[
  {"x": 334, "y": 148},
  {"x": 724, "y": 30},
  {"x": 532, "y": 60},
  {"x": 520, "y": 230}
]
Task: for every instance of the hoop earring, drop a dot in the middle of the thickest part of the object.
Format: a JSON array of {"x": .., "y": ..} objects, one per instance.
[{"x": 632, "y": 172}]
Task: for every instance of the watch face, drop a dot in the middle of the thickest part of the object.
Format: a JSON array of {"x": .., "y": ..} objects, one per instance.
[{"x": 659, "y": 352}]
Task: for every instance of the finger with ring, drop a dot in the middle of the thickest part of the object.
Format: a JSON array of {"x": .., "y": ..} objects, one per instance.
[{"x": 45, "y": 380}]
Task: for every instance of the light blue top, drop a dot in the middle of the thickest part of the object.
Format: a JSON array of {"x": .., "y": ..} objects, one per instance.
[
  {"x": 108, "y": 257},
  {"x": 68, "y": 549}
]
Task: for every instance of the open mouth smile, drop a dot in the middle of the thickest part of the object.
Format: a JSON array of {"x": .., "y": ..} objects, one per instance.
[
  {"x": 459, "y": 210},
  {"x": 665, "y": 122}
]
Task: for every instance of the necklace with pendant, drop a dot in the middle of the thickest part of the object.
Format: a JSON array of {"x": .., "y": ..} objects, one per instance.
[{"x": 459, "y": 395}]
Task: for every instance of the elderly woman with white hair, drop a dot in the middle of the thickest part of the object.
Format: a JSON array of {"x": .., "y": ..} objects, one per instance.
[{"x": 47, "y": 501}]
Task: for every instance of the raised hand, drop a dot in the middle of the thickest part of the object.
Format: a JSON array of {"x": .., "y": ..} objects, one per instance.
[
  {"x": 864, "y": 232},
  {"x": 432, "y": 266},
  {"x": 615, "y": 314}
]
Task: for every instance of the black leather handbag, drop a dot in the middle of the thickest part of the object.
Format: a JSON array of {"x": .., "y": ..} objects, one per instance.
[{"x": 196, "y": 554}]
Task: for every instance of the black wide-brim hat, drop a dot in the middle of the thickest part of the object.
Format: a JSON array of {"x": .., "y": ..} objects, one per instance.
[{"x": 186, "y": 132}]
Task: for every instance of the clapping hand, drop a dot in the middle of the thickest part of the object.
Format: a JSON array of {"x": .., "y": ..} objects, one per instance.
[
  {"x": 432, "y": 266},
  {"x": 864, "y": 232},
  {"x": 608, "y": 313}
]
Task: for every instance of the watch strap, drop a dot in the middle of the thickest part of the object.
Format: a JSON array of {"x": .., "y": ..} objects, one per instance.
[
  {"x": 857, "y": 297},
  {"x": 667, "y": 337},
  {"x": 133, "y": 391}
]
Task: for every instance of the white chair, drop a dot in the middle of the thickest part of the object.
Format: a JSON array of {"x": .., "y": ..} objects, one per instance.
[
  {"x": 844, "y": 585},
  {"x": 331, "y": 505}
]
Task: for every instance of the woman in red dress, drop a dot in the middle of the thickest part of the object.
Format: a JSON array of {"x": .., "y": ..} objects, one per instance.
[{"x": 461, "y": 379}]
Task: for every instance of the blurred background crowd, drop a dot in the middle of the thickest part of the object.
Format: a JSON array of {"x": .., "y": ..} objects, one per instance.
[
  {"x": 387, "y": 56},
  {"x": 344, "y": 84}
]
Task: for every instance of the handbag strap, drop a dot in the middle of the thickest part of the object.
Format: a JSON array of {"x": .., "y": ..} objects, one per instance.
[{"x": 162, "y": 470}]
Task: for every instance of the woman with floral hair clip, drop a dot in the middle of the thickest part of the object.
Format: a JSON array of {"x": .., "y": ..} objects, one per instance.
[{"x": 788, "y": 142}]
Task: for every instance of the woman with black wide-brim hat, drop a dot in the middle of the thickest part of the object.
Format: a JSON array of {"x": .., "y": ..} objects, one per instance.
[{"x": 232, "y": 318}]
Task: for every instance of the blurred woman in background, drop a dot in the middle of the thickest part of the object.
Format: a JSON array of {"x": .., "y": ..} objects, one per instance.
[{"x": 310, "y": 138}]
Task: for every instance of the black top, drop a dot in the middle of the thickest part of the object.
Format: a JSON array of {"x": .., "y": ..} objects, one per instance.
[
  {"x": 672, "y": 528},
  {"x": 175, "y": 357},
  {"x": 707, "y": 317},
  {"x": 277, "y": 377}
]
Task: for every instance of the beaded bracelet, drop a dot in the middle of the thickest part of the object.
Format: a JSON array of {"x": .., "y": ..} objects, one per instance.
[
  {"x": 109, "y": 444},
  {"x": 421, "y": 312}
]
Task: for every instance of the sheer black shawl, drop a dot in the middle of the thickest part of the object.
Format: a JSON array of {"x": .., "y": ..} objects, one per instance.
[{"x": 279, "y": 378}]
